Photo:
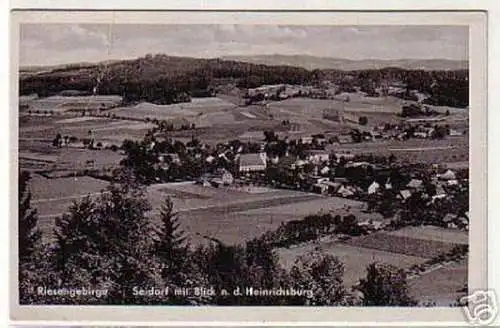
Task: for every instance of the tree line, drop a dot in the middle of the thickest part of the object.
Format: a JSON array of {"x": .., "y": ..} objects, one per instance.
[
  {"x": 165, "y": 79},
  {"x": 160, "y": 79}
]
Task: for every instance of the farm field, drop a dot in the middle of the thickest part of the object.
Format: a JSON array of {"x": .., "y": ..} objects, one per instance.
[
  {"x": 52, "y": 197},
  {"x": 102, "y": 129},
  {"x": 194, "y": 199},
  {"x": 44, "y": 189},
  {"x": 197, "y": 107},
  {"x": 433, "y": 233},
  {"x": 402, "y": 244},
  {"x": 442, "y": 285},
  {"x": 450, "y": 150},
  {"x": 77, "y": 158},
  {"x": 333, "y": 205},
  {"x": 209, "y": 211},
  {"x": 65, "y": 103},
  {"x": 398, "y": 249},
  {"x": 355, "y": 259}
]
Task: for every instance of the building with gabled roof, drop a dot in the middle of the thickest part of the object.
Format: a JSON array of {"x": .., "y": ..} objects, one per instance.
[{"x": 254, "y": 162}]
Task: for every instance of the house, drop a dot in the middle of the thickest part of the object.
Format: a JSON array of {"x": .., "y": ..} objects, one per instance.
[
  {"x": 333, "y": 187},
  {"x": 345, "y": 138},
  {"x": 172, "y": 157},
  {"x": 438, "y": 196},
  {"x": 388, "y": 184},
  {"x": 325, "y": 170},
  {"x": 306, "y": 140},
  {"x": 448, "y": 175},
  {"x": 405, "y": 194},
  {"x": 375, "y": 135},
  {"x": 439, "y": 189},
  {"x": 340, "y": 180},
  {"x": 346, "y": 156},
  {"x": 255, "y": 162},
  {"x": 371, "y": 225},
  {"x": 414, "y": 184},
  {"x": 346, "y": 191},
  {"x": 320, "y": 188},
  {"x": 317, "y": 156},
  {"x": 421, "y": 135},
  {"x": 300, "y": 163},
  {"x": 450, "y": 220},
  {"x": 454, "y": 133},
  {"x": 373, "y": 188},
  {"x": 222, "y": 177},
  {"x": 359, "y": 164},
  {"x": 463, "y": 222},
  {"x": 287, "y": 162}
]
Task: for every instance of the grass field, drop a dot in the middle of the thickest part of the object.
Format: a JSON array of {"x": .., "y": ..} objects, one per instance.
[
  {"x": 442, "y": 285},
  {"x": 426, "y": 248},
  {"x": 44, "y": 130},
  {"x": 197, "y": 107},
  {"x": 43, "y": 188},
  {"x": 52, "y": 197},
  {"x": 450, "y": 150},
  {"x": 433, "y": 234},
  {"x": 355, "y": 259},
  {"x": 77, "y": 158},
  {"x": 332, "y": 205},
  {"x": 62, "y": 103}
]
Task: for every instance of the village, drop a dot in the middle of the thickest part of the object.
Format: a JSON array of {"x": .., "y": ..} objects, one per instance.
[{"x": 362, "y": 175}]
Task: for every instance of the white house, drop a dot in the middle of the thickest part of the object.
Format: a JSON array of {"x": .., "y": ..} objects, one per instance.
[
  {"x": 173, "y": 157},
  {"x": 306, "y": 140},
  {"x": 317, "y": 156},
  {"x": 373, "y": 188},
  {"x": 448, "y": 175},
  {"x": 415, "y": 184},
  {"x": 405, "y": 194}
]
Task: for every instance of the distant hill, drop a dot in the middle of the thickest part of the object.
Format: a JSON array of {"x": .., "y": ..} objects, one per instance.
[
  {"x": 164, "y": 79},
  {"x": 312, "y": 62},
  {"x": 154, "y": 78}
]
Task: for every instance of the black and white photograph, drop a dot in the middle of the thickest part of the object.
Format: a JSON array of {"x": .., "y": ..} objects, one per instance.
[{"x": 243, "y": 164}]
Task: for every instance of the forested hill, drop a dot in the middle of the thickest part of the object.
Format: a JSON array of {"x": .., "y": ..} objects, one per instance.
[
  {"x": 166, "y": 79},
  {"x": 158, "y": 77}
]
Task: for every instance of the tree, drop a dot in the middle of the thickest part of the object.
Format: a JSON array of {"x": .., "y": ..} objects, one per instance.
[
  {"x": 363, "y": 120},
  {"x": 57, "y": 140},
  {"x": 170, "y": 246},
  {"x": 349, "y": 226},
  {"x": 108, "y": 244},
  {"x": 77, "y": 257},
  {"x": 321, "y": 274},
  {"x": 30, "y": 248},
  {"x": 385, "y": 285}
]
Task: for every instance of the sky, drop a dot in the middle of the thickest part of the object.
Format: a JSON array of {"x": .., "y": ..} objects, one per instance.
[{"x": 51, "y": 44}]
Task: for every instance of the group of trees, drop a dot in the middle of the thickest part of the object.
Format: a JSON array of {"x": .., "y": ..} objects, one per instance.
[
  {"x": 311, "y": 228},
  {"x": 444, "y": 88},
  {"x": 112, "y": 243}
]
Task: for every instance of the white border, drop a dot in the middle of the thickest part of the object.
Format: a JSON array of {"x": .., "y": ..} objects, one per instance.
[{"x": 401, "y": 5}]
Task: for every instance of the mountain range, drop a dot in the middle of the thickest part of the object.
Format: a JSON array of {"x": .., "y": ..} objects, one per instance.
[{"x": 313, "y": 62}]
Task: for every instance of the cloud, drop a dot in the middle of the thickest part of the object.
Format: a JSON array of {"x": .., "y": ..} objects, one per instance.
[{"x": 85, "y": 42}]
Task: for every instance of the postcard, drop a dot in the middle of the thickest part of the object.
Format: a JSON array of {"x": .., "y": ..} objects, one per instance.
[{"x": 249, "y": 166}]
